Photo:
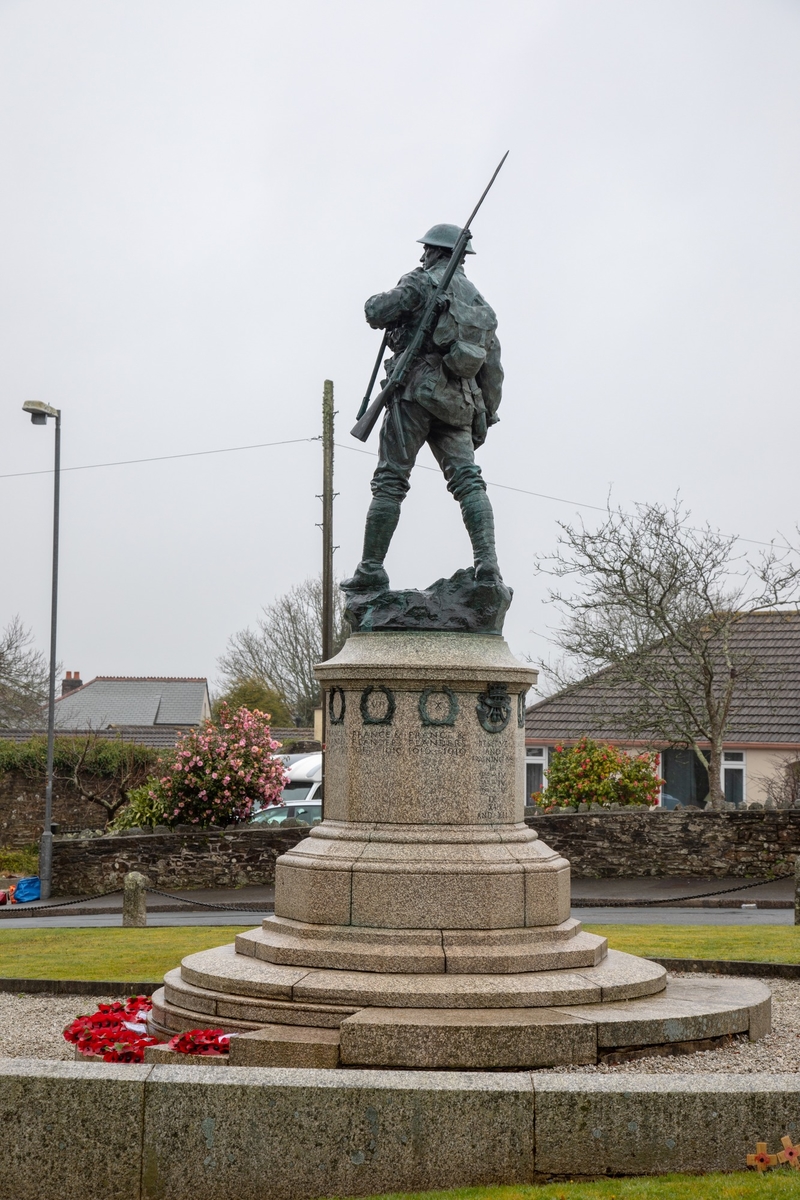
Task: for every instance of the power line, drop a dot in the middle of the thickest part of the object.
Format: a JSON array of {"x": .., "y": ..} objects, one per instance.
[
  {"x": 129, "y": 462},
  {"x": 489, "y": 483},
  {"x": 545, "y": 496}
]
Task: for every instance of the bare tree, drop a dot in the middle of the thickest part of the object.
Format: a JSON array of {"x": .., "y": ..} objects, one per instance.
[
  {"x": 285, "y": 645},
  {"x": 24, "y": 677},
  {"x": 659, "y": 612},
  {"x": 103, "y": 770}
]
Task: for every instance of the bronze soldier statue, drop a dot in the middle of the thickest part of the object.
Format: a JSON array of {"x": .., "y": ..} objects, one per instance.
[{"x": 449, "y": 399}]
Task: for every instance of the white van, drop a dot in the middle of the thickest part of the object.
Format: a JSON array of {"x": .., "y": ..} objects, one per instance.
[{"x": 301, "y": 799}]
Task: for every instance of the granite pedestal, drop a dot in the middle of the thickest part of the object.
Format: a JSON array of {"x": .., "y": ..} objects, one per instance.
[{"x": 422, "y": 918}]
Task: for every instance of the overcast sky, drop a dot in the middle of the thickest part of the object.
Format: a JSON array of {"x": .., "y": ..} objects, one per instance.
[{"x": 198, "y": 195}]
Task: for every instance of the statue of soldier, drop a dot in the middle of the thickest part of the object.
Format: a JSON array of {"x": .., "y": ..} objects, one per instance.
[{"x": 449, "y": 400}]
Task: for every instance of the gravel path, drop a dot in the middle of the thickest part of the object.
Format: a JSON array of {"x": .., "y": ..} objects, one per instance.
[
  {"x": 31, "y": 1027},
  {"x": 777, "y": 1053}
]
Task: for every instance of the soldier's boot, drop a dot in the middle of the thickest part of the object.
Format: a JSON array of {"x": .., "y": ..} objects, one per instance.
[
  {"x": 476, "y": 509},
  {"x": 382, "y": 517}
]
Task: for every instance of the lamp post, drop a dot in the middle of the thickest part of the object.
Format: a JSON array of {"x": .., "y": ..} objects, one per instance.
[{"x": 39, "y": 413}]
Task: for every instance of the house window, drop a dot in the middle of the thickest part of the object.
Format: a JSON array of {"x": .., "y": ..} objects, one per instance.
[
  {"x": 733, "y": 763},
  {"x": 535, "y": 762},
  {"x": 685, "y": 779}
]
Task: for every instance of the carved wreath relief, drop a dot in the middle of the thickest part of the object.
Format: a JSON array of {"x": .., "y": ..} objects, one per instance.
[
  {"x": 494, "y": 708},
  {"x": 449, "y": 717},
  {"x": 377, "y": 712},
  {"x": 521, "y": 710},
  {"x": 336, "y": 706}
]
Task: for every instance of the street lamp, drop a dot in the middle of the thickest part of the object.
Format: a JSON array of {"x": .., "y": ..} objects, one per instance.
[{"x": 39, "y": 413}]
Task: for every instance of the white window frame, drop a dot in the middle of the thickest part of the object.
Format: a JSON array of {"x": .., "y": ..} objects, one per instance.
[
  {"x": 534, "y": 759},
  {"x": 738, "y": 764}
]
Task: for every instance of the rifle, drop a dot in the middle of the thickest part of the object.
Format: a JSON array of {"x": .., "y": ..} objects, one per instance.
[{"x": 368, "y": 416}]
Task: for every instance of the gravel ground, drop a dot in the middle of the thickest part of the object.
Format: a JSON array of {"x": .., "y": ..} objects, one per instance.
[
  {"x": 775, "y": 1054},
  {"x": 31, "y": 1027}
]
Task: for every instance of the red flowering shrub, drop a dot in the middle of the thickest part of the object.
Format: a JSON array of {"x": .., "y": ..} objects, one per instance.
[
  {"x": 209, "y": 1042},
  {"x": 591, "y": 771},
  {"x": 216, "y": 776}
]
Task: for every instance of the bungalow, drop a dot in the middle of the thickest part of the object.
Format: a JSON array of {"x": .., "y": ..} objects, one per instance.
[
  {"x": 151, "y": 710},
  {"x": 761, "y": 759}
]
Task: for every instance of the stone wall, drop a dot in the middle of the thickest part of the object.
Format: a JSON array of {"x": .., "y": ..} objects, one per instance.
[
  {"x": 205, "y": 858},
  {"x": 95, "y": 1131},
  {"x": 692, "y": 843},
  {"x": 22, "y": 809},
  {"x": 599, "y": 845}
]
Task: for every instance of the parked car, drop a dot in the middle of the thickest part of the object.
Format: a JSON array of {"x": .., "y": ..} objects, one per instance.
[
  {"x": 302, "y": 800},
  {"x": 278, "y": 814}
]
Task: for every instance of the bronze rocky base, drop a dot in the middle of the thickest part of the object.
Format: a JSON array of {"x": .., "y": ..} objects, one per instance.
[{"x": 460, "y": 604}]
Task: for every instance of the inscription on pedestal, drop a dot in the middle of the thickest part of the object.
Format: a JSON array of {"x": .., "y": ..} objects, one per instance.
[
  {"x": 440, "y": 740},
  {"x": 372, "y": 740}
]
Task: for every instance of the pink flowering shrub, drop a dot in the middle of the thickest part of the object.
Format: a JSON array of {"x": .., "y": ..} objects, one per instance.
[{"x": 216, "y": 775}]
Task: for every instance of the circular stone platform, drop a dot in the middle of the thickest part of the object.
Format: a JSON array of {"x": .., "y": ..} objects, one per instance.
[{"x": 423, "y": 924}]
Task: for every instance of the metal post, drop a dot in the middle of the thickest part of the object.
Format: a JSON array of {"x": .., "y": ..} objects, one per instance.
[
  {"x": 46, "y": 842},
  {"x": 327, "y": 552},
  {"x": 797, "y": 890}
]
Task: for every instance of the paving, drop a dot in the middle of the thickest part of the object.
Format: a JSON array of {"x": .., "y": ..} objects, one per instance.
[
  {"x": 594, "y": 901},
  {"x": 259, "y": 900},
  {"x": 693, "y": 893},
  {"x": 668, "y": 915}
]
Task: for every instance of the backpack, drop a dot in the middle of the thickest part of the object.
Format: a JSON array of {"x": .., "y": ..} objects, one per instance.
[{"x": 465, "y": 330}]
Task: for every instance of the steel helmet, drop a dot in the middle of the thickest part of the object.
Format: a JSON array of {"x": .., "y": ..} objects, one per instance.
[{"x": 444, "y": 235}]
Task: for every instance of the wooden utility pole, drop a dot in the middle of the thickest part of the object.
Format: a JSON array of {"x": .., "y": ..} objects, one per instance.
[
  {"x": 327, "y": 520},
  {"x": 327, "y": 553}
]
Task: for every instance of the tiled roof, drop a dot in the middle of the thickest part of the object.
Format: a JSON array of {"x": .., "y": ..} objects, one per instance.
[
  {"x": 768, "y": 712},
  {"x": 108, "y": 701}
]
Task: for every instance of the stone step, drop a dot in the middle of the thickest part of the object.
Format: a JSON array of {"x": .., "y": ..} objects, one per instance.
[
  {"x": 683, "y": 1018},
  {"x": 286, "y": 1046},
  {"x": 166, "y": 1019},
  {"x": 213, "y": 1006},
  {"x": 423, "y": 952},
  {"x": 618, "y": 977}
]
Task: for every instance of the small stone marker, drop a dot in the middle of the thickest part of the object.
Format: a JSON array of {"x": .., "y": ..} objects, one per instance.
[
  {"x": 134, "y": 900},
  {"x": 761, "y": 1160},
  {"x": 789, "y": 1154},
  {"x": 797, "y": 890}
]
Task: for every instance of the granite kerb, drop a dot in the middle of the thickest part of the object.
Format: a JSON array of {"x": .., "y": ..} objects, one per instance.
[{"x": 103, "y": 1130}]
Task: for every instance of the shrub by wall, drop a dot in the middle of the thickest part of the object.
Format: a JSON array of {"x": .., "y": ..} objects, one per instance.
[{"x": 102, "y": 767}]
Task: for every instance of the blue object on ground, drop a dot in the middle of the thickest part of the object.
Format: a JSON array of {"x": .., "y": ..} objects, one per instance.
[{"x": 29, "y": 888}]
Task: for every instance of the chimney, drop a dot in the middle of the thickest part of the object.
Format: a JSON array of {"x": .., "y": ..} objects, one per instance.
[{"x": 72, "y": 681}]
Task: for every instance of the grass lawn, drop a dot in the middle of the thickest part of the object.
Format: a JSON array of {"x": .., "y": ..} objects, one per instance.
[
  {"x": 145, "y": 954},
  {"x": 753, "y": 943},
  {"x": 748, "y": 1185},
  {"x": 135, "y": 955}
]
